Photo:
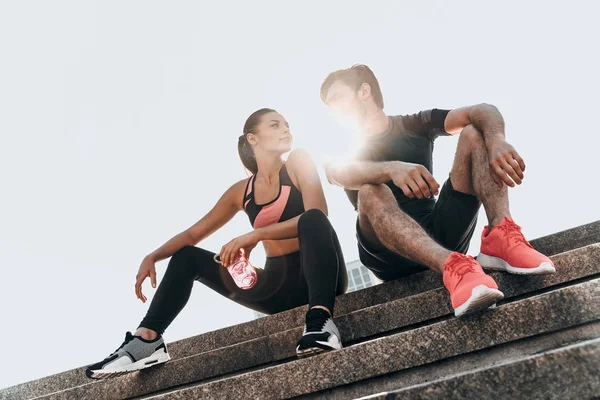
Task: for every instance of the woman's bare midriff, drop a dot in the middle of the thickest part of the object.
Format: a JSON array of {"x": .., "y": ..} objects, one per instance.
[{"x": 276, "y": 248}]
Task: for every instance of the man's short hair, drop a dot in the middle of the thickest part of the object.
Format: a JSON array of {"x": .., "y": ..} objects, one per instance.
[{"x": 354, "y": 77}]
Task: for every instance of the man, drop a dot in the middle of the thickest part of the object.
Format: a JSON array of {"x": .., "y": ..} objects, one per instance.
[{"x": 401, "y": 228}]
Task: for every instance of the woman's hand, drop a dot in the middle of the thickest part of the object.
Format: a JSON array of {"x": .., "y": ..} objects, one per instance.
[
  {"x": 230, "y": 251},
  {"x": 147, "y": 269}
]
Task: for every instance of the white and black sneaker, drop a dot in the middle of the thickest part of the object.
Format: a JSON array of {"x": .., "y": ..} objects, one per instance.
[
  {"x": 320, "y": 334},
  {"x": 134, "y": 354}
]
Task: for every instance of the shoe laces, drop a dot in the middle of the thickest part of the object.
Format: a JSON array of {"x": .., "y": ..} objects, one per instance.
[
  {"x": 513, "y": 232},
  {"x": 462, "y": 266},
  {"x": 315, "y": 323}
]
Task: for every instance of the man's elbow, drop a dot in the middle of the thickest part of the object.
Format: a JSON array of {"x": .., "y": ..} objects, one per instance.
[
  {"x": 332, "y": 176},
  {"x": 485, "y": 108}
]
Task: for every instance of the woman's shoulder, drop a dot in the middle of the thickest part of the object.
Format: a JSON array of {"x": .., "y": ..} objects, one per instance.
[
  {"x": 299, "y": 158},
  {"x": 241, "y": 185},
  {"x": 237, "y": 191},
  {"x": 299, "y": 163}
]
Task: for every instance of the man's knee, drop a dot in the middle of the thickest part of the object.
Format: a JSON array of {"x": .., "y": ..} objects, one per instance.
[
  {"x": 471, "y": 138},
  {"x": 370, "y": 195}
]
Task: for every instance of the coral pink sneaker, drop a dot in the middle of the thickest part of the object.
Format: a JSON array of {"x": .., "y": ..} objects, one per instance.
[
  {"x": 505, "y": 248},
  {"x": 470, "y": 288}
]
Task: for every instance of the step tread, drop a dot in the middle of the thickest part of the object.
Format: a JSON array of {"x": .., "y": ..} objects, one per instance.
[
  {"x": 568, "y": 372},
  {"x": 482, "y": 359}
]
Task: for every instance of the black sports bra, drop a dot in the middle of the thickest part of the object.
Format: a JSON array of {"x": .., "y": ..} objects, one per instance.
[{"x": 288, "y": 203}]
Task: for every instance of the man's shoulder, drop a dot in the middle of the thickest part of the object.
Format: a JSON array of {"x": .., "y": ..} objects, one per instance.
[
  {"x": 421, "y": 122},
  {"x": 421, "y": 115}
]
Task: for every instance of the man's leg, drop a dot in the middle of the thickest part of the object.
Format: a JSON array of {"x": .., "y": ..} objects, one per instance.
[
  {"x": 385, "y": 226},
  {"x": 471, "y": 174},
  {"x": 503, "y": 246}
]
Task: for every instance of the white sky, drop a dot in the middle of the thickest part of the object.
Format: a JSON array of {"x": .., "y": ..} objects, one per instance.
[{"x": 119, "y": 124}]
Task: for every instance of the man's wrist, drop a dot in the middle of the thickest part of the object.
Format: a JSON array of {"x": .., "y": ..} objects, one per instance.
[
  {"x": 492, "y": 139},
  {"x": 389, "y": 168}
]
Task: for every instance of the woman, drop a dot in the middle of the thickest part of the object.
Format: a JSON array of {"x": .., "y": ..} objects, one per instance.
[{"x": 287, "y": 209}]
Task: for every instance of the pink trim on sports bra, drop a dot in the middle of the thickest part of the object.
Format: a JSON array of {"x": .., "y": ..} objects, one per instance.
[{"x": 271, "y": 213}]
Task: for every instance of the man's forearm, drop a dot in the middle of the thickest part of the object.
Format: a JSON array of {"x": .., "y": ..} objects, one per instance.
[
  {"x": 352, "y": 175},
  {"x": 488, "y": 120}
]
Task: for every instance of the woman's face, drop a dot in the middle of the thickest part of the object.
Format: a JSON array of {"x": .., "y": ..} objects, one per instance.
[{"x": 272, "y": 135}]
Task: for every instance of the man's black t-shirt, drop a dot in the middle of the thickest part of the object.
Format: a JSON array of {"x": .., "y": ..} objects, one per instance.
[{"x": 409, "y": 138}]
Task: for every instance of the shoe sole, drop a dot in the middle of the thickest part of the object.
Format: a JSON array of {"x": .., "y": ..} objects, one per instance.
[
  {"x": 491, "y": 262},
  {"x": 482, "y": 298},
  {"x": 311, "y": 351},
  {"x": 159, "y": 357}
]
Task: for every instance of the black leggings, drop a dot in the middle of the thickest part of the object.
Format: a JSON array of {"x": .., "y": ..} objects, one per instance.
[{"x": 315, "y": 275}]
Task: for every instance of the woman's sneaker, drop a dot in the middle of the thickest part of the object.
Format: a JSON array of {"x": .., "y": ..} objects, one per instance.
[
  {"x": 320, "y": 334},
  {"x": 134, "y": 354}
]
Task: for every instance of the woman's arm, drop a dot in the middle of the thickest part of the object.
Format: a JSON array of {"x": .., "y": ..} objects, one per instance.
[{"x": 225, "y": 209}]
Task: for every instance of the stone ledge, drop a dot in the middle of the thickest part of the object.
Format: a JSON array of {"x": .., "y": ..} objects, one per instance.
[
  {"x": 470, "y": 362},
  {"x": 567, "y": 373}
]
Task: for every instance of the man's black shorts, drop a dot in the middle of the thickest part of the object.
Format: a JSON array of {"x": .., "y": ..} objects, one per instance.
[{"x": 451, "y": 223}]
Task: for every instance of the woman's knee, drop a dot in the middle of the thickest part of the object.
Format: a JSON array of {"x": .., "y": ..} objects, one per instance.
[
  {"x": 184, "y": 254},
  {"x": 184, "y": 260},
  {"x": 313, "y": 219}
]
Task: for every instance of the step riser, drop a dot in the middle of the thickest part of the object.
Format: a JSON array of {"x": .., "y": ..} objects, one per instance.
[
  {"x": 468, "y": 362},
  {"x": 359, "y": 325},
  {"x": 569, "y": 373},
  {"x": 570, "y": 239},
  {"x": 553, "y": 311}
]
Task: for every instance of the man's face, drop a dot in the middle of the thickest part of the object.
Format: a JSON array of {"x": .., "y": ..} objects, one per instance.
[{"x": 345, "y": 105}]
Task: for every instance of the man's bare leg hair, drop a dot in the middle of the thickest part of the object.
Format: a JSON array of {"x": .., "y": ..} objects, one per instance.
[
  {"x": 383, "y": 223},
  {"x": 471, "y": 174}
]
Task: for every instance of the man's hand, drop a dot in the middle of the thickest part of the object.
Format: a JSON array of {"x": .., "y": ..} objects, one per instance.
[
  {"x": 414, "y": 180},
  {"x": 231, "y": 250},
  {"x": 506, "y": 165}
]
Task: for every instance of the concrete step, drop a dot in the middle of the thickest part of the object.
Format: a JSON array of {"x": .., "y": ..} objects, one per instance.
[
  {"x": 569, "y": 239},
  {"x": 258, "y": 329},
  {"x": 570, "y": 372},
  {"x": 557, "y": 309},
  {"x": 466, "y": 363},
  {"x": 361, "y": 325}
]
